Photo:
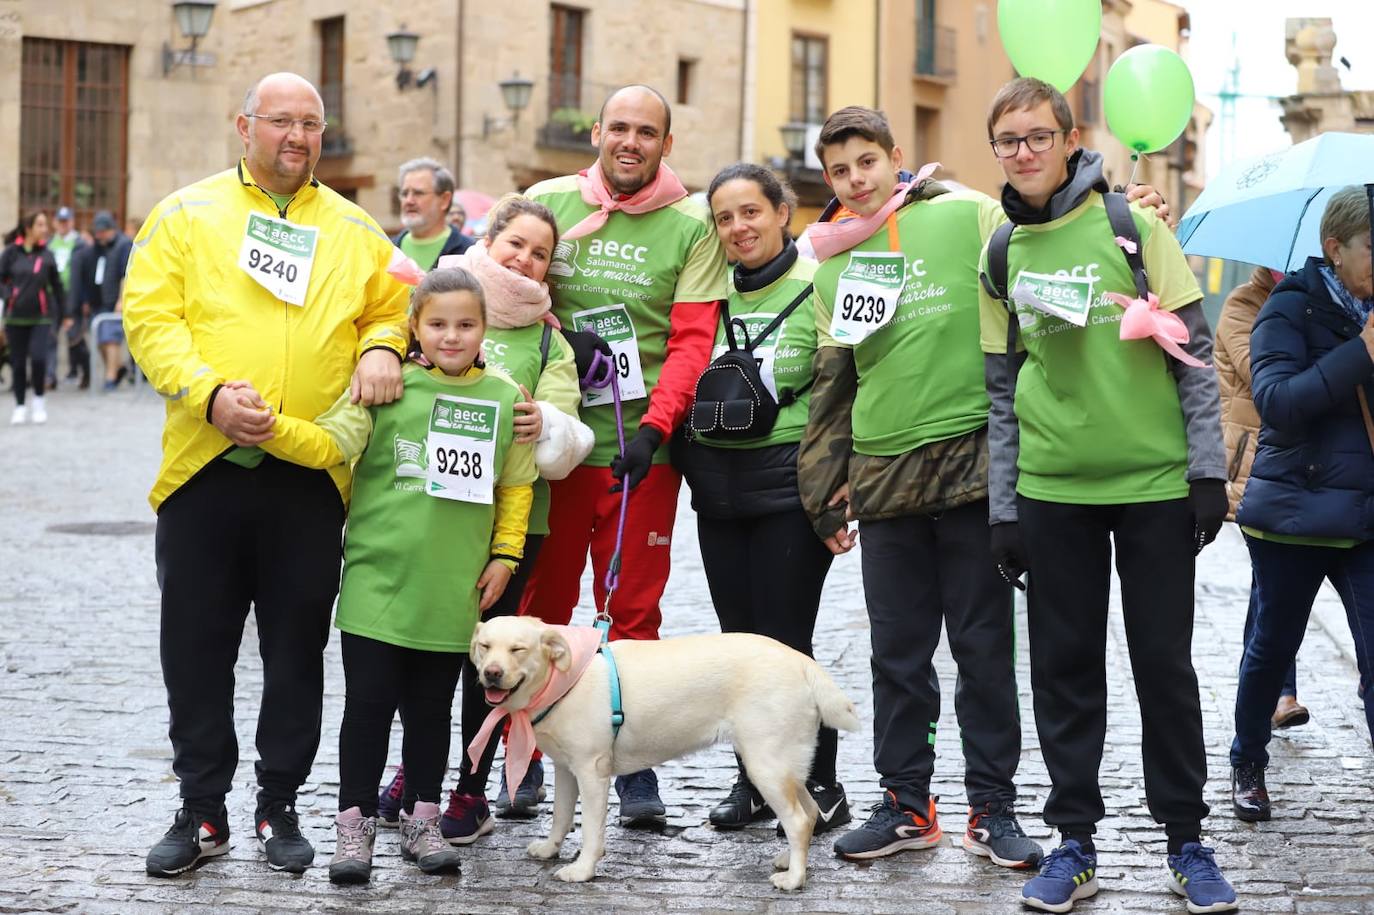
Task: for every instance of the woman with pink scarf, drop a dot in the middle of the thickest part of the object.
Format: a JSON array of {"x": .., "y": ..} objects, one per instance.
[{"x": 523, "y": 341}]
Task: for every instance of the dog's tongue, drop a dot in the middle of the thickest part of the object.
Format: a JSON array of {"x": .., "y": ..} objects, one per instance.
[{"x": 496, "y": 696}]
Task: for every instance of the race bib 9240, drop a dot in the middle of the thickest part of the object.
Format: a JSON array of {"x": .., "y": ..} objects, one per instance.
[{"x": 278, "y": 255}]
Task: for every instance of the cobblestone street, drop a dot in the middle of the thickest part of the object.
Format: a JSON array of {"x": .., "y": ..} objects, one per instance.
[{"x": 86, "y": 784}]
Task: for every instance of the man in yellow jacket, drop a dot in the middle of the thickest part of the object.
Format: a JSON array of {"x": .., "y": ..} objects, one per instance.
[{"x": 253, "y": 293}]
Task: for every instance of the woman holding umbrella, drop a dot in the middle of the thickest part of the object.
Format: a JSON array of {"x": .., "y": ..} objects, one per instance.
[{"x": 1308, "y": 509}]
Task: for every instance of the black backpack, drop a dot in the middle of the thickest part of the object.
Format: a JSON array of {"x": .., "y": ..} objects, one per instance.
[
  {"x": 732, "y": 403},
  {"x": 995, "y": 279}
]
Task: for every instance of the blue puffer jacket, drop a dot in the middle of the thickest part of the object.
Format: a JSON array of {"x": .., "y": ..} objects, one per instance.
[{"x": 1314, "y": 469}]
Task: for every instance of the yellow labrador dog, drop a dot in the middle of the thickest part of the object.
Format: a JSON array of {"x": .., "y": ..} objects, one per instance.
[{"x": 679, "y": 695}]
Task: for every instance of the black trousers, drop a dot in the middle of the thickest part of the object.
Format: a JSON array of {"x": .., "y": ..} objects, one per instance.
[
  {"x": 380, "y": 678},
  {"x": 28, "y": 346},
  {"x": 228, "y": 539},
  {"x": 765, "y": 574},
  {"x": 1070, "y": 552},
  {"x": 919, "y": 571},
  {"x": 474, "y": 706}
]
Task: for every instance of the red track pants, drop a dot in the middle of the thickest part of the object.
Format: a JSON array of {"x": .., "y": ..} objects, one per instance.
[{"x": 583, "y": 515}]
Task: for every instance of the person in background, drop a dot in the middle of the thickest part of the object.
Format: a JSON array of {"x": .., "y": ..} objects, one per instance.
[
  {"x": 32, "y": 296},
  {"x": 458, "y": 217},
  {"x": 98, "y": 275},
  {"x": 426, "y": 192},
  {"x": 1305, "y": 513},
  {"x": 63, "y": 244},
  {"x": 1240, "y": 425}
]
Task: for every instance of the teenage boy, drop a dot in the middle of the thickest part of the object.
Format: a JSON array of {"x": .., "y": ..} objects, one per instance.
[
  {"x": 1111, "y": 443},
  {"x": 897, "y": 438}
]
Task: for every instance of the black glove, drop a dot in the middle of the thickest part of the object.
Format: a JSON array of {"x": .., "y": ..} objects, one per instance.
[
  {"x": 1009, "y": 553},
  {"x": 1207, "y": 500},
  {"x": 585, "y": 345},
  {"x": 634, "y": 464}
]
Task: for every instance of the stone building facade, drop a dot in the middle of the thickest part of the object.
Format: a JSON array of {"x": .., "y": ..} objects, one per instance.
[{"x": 1321, "y": 103}]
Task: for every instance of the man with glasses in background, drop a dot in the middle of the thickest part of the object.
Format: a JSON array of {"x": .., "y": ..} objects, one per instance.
[
  {"x": 254, "y": 292},
  {"x": 426, "y": 192}
]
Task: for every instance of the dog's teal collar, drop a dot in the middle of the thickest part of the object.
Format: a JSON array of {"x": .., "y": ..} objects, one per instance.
[{"x": 613, "y": 678}]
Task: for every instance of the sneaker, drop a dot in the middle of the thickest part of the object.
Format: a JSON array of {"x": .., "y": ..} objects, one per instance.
[
  {"x": 279, "y": 834},
  {"x": 1067, "y": 875},
  {"x": 20, "y": 415},
  {"x": 423, "y": 843},
  {"x": 528, "y": 793},
  {"x": 890, "y": 828},
  {"x": 467, "y": 818},
  {"x": 742, "y": 806},
  {"x": 352, "y": 862},
  {"x": 192, "y": 838},
  {"x": 389, "y": 800},
  {"x": 1249, "y": 797},
  {"x": 38, "y": 414},
  {"x": 1194, "y": 875},
  {"x": 110, "y": 385},
  {"x": 833, "y": 804},
  {"x": 994, "y": 833},
  {"x": 640, "y": 804}
]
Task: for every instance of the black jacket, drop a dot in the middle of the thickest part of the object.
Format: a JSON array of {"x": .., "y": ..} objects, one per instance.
[
  {"x": 1313, "y": 474},
  {"x": 100, "y": 297},
  {"x": 31, "y": 285},
  {"x": 457, "y": 242},
  {"x": 739, "y": 482}
]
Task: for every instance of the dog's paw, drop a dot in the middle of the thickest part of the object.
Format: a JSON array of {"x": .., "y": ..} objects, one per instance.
[
  {"x": 783, "y": 861},
  {"x": 577, "y": 872},
  {"x": 785, "y": 881},
  {"x": 543, "y": 849}
]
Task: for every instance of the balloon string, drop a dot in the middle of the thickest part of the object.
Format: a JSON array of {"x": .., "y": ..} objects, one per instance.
[{"x": 1135, "y": 169}]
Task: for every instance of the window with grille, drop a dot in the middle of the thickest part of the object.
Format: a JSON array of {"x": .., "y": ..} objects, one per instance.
[
  {"x": 565, "y": 57},
  {"x": 74, "y": 127},
  {"x": 335, "y": 140},
  {"x": 810, "y": 55}
]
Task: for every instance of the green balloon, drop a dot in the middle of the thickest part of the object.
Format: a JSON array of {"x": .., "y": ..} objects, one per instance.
[
  {"x": 1051, "y": 40},
  {"x": 1148, "y": 97}
]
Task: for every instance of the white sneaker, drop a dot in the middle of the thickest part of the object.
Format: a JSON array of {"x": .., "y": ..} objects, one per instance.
[
  {"x": 19, "y": 416},
  {"x": 39, "y": 414}
]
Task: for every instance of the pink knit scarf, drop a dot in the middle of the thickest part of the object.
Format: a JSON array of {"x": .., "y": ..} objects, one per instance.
[
  {"x": 513, "y": 300},
  {"x": 658, "y": 193},
  {"x": 583, "y": 642}
]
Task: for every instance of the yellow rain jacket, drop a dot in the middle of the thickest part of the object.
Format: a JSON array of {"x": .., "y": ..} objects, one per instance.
[{"x": 195, "y": 320}]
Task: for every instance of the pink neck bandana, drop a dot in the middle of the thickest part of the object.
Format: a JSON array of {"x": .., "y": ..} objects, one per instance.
[
  {"x": 1144, "y": 319},
  {"x": 583, "y": 642},
  {"x": 658, "y": 193},
  {"x": 513, "y": 300},
  {"x": 831, "y": 238}
]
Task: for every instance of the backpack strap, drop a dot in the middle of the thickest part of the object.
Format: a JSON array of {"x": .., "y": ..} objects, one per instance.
[
  {"x": 994, "y": 280},
  {"x": 728, "y": 323},
  {"x": 544, "y": 346},
  {"x": 1123, "y": 225},
  {"x": 749, "y": 345}
]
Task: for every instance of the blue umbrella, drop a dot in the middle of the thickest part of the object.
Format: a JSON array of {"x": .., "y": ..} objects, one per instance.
[{"x": 1267, "y": 210}]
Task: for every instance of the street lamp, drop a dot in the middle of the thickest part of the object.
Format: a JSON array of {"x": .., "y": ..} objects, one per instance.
[
  {"x": 515, "y": 92},
  {"x": 193, "y": 19},
  {"x": 794, "y": 138},
  {"x": 401, "y": 45}
]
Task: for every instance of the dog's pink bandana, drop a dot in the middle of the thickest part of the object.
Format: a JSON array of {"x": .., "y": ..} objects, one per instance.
[
  {"x": 583, "y": 642},
  {"x": 663, "y": 190},
  {"x": 1144, "y": 319}
]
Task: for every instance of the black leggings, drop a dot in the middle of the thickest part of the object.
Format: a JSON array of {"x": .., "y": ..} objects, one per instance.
[
  {"x": 475, "y": 708},
  {"x": 766, "y": 575},
  {"x": 379, "y": 678},
  {"x": 28, "y": 345}
]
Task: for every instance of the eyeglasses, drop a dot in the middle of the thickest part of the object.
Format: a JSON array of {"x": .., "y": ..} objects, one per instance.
[
  {"x": 1008, "y": 147},
  {"x": 412, "y": 192},
  {"x": 284, "y": 123}
]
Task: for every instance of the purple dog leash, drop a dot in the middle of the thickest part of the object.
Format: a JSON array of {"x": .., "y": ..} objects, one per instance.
[{"x": 600, "y": 375}]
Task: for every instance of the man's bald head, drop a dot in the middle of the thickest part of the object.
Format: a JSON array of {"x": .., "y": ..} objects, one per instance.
[
  {"x": 277, "y": 81},
  {"x": 639, "y": 90}
]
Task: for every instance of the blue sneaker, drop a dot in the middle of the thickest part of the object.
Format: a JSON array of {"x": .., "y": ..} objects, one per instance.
[
  {"x": 640, "y": 804},
  {"x": 1194, "y": 875},
  {"x": 528, "y": 793},
  {"x": 389, "y": 799},
  {"x": 1067, "y": 875}
]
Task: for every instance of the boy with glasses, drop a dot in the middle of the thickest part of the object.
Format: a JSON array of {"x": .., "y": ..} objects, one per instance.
[{"x": 1111, "y": 444}]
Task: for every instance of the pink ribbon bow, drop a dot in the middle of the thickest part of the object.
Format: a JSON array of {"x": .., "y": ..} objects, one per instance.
[
  {"x": 1144, "y": 319},
  {"x": 404, "y": 269}
]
